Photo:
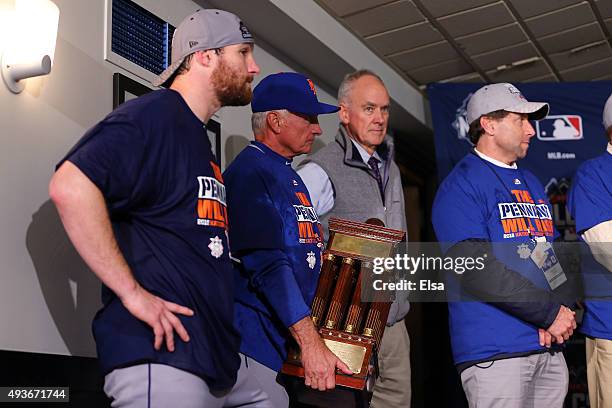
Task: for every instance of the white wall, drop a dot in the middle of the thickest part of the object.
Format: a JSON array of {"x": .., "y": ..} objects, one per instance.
[{"x": 47, "y": 295}]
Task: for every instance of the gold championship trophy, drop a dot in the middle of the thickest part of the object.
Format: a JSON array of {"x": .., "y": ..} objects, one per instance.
[{"x": 352, "y": 329}]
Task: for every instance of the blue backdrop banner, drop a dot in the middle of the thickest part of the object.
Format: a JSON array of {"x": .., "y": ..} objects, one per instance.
[{"x": 572, "y": 132}]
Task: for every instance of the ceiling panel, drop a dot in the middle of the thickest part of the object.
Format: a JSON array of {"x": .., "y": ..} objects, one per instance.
[
  {"x": 569, "y": 39},
  {"x": 530, "y": 8},
  {"x": 404, "y": 38},
  {"x": 520, "y": 73},
  {"x": 505, "y": 56},
  {"x": 425, "y": 56},
  {"x": 549, "y": 38},
  {"x": 546, "y": 78},
  {"x": 478, "y": 19},
  {"x": 439, "y": 8},
  {"x": 384, "y": 18},
  {"x": 588, "y": 72},
  {"x": 345, "y": 7},
  {"x": 561, "y": 20},
  {"x": 492, "y": 39},
  {"x": 471, "y": 77},
  {"x": 566, "y": 60},
  {"x": 444, "y": 70},
  {"x": 605, "y": 8}
]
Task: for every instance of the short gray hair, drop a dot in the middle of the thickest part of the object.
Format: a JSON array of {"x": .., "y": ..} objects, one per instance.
[
  {"x": 258, "y": 120},
  {"x": 346, "y": 86}
]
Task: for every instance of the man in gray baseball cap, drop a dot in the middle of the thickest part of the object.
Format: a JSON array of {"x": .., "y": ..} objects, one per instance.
[
  {"x": 142, "y": 198},
  {"x": 506, "y": 334},
  {"x": 495, "y": 102}
]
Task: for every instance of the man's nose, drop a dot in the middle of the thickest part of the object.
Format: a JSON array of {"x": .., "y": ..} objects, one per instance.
[
  {"x": 379, "y": 117},
  {"x": 253, "y": 67},
  {"x": 528, "y": 128}
]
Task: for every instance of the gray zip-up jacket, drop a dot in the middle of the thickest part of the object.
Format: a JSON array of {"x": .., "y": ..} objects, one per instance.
[{"x": 357, "y": 197}]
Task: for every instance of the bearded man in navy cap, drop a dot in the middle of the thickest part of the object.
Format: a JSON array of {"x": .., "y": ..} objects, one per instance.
[{"x": 277, "y": 237}]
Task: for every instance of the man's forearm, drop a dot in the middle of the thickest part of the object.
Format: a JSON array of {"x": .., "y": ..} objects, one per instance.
[
  {"x": 504, "y": 288},
  {"x": 305, "y": 333},
  {"x": 319, "y": 362},
  {"x": 83, "y": 212}
]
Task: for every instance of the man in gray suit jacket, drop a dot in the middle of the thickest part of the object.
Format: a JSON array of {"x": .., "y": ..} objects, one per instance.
[{"x": 354, "y": 177}]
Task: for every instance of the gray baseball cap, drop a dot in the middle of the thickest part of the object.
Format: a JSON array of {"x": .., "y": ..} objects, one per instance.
[
  {"x": 504, "y": 96},
  {"x": 607, "y": 113},
  {"x": 205, "y": 29}
]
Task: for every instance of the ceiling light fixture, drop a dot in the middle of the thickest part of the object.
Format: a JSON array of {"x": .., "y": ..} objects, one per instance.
[{"x": 519, "y": 63}]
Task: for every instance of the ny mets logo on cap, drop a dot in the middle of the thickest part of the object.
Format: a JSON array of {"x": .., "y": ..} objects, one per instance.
[
  {"x": 312, "y": 86},
  {"x": 245, "y": 31},
  {"x": 514, "y": 90}
]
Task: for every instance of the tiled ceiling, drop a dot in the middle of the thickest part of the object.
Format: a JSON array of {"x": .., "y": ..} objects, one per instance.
[{"x": 485, "y": 40}]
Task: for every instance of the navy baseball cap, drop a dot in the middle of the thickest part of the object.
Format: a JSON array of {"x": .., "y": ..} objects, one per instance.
[{"x": 291, "y": 91}]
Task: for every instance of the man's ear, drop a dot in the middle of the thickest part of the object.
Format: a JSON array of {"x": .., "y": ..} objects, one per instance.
[
  {"x": 488, "y": 124},
  {"x": 273, "y": 119},
  {"x": 203, "y": 58},
  {"x": 343, "y": 114}
]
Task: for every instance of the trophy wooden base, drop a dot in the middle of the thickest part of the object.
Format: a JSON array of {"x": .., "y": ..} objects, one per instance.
[{"x": 351, "y": 390}]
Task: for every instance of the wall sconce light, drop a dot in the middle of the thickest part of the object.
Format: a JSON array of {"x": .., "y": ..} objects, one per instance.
[{"x": 30, "y": 49}]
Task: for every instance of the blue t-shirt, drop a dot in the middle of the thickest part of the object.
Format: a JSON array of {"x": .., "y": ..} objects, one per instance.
[
  {"x": 152, "y": 161},
  {"x": 479, "y": 200},
  {"x": 276, "y": 233},
  {"x": 590, "y": 203}
]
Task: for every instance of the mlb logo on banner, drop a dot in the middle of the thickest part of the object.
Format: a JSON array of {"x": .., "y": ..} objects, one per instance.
[{"x": 559, "y": 127}]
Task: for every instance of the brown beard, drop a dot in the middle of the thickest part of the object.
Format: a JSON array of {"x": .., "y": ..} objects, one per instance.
[{"x": 232, "y": 88}]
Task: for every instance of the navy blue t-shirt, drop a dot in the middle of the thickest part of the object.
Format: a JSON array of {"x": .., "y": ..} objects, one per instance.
[
  {"x": 152, "y": 161},
  {"x": 590, "y": 203},
  {"x": 479, "y": 200},
  {"x": 275, "y": 232}
]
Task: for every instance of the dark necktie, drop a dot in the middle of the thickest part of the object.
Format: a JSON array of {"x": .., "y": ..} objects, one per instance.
[{"x": 373, "y": 163}]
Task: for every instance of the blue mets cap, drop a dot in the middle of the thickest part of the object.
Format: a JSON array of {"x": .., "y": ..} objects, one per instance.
[{"x": 291, "y": 91}]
